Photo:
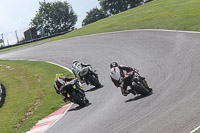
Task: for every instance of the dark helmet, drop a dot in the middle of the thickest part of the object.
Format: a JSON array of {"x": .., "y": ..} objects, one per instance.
[{"x": 113, "y": 64}]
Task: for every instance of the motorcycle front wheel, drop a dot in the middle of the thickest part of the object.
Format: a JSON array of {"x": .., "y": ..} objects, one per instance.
[
  {"x": 140, "y": 90},
  {"x": 94, "y": 81}
]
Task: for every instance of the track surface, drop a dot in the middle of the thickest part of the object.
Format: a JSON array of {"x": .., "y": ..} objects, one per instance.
[{"x": 170, "y": 61}]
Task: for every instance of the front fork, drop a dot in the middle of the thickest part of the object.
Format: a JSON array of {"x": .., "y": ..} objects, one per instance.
[{"x": 144, "y": 82}]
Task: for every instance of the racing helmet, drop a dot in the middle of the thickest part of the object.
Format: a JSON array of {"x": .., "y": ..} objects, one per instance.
[
  {"x": 113, "y": 64},
  {"x": 59, "y": 75},
  {"x": 75, "y": 61}
]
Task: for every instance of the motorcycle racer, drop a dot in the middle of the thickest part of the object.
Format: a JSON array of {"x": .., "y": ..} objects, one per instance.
[
  {"x": 122, "y": 77},
  {"x": 77, "y": 67},
  {"x": 59, "y": 84}
]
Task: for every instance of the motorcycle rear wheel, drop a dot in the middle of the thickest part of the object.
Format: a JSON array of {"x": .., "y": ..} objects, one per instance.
[
  {"x": 78, "y": 100},
  {"x": 94, "y": 81}
]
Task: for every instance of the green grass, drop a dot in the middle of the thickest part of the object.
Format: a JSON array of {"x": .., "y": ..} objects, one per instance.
[
  {"x": 30, "y": 94},
  {"x": 198, "y": 131}
]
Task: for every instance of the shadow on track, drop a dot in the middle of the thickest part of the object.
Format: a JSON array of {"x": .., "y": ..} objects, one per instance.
[
  {"x": 93, "y": 89},
  {"x": 78, "y": 107},
  {"x": 137, "y": 98}
]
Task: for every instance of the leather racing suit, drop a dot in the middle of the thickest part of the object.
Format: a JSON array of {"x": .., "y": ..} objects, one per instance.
[
  {"x": 59, "y": 83},
  {"x": 126, "y": 74}
]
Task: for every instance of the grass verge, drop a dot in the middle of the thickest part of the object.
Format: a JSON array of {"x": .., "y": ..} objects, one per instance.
[
  {"x": 30, "y": 93},
  {"x": 198, "y": 131}
]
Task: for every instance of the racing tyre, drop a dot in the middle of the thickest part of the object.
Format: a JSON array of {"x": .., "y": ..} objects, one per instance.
[
  {"x": 78, "y": 100},
  {"x": 140, "y": 90},
  {"x": 94, "y": 81}
]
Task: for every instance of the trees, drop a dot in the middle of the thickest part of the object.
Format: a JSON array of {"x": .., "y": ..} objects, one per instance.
[
  {"x": 109, "y": 8},
  {"x": 54, "y": 17},
  {"x": 94, "y": 15},
  {"x": 116, "y": 6}
]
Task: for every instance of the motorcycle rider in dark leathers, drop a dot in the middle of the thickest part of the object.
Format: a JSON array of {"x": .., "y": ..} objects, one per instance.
[
  {"x": 122, "y": 76},
  {"x": 59, "y": 84}
]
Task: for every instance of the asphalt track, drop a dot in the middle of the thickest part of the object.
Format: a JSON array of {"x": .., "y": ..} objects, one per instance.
[{"x": 170, "y": 61}]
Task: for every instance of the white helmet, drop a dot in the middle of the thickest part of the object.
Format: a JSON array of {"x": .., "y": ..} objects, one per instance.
[
  {"x": 115, "y": 74},
  {"x": 74, "y": 61}
]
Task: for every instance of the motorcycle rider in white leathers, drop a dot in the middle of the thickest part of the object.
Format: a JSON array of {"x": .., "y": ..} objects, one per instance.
[
  {"x": 76, "y": 68},
  {"x": 122, "y": 77}
]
